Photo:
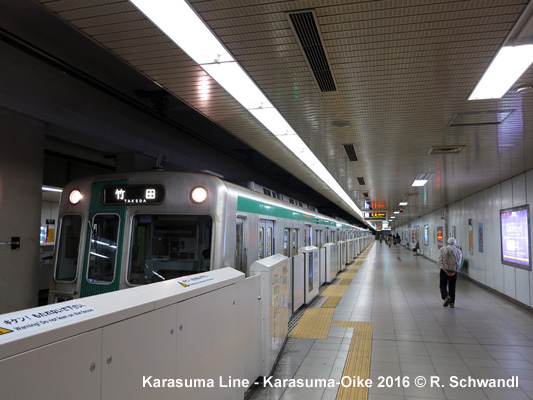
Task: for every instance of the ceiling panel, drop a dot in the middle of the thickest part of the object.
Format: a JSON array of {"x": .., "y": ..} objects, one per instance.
[{"x": 403, "y": 69}]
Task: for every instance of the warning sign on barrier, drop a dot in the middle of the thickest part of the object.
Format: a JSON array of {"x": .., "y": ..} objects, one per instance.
[
  {"x": 30, "y": 320},
  {"x": 194, "y": 280}
]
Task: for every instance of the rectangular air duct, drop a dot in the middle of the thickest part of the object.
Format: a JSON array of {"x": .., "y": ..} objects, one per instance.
[
  {"x": 350, "y": 151},
  {"x": 305, "y": 27},
  {"x": 445, "y": 149}
]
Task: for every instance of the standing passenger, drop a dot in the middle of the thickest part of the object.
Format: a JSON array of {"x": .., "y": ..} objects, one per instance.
[{"x": 449, "y": 261}]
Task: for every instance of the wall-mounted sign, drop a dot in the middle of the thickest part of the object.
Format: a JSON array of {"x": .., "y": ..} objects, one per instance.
[
  {"x": 133, "y": 195},
  {"x": 440, "y": 235},
  {"x": 375, "y": 216},
  {"x": 480, "y": 237}
]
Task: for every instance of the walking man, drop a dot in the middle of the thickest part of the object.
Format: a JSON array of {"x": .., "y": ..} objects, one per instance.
[{"x": 449, "y": 262}]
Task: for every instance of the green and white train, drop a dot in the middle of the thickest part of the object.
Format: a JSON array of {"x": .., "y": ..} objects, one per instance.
[{"x": 123, "y": 230}]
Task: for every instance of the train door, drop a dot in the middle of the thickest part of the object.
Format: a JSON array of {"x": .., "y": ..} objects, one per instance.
[
  {"x": 286, "y": 238},
  {"x": 265, "y": 238},
  {"x": 294, "y": 244},
  {"x": 308, "y": 235},
  {"x": 318, "y": 239},
  {"x": 101, "y": 268},
  {"x": 240, "y": 247}
]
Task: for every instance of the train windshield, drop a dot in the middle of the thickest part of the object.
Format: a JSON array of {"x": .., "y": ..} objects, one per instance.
[
  {"x": 168, "y": 246},
  {"x": 103, "y": 249},
  {"x": 69, "y": 243}
]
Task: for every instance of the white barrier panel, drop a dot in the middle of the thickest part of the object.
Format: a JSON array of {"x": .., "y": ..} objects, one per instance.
[
  {"x": 298, "y": 279},
  {"x": 139, "y": 343},
  {"x": 274, "y": 272},
  {"x": 351, "y": 251},
  {"x": 311, "y": 274},
  {"x": 322, "y": 256},
  {"x": 329, "y": 250},
  {"x": 341, "y": 245}
]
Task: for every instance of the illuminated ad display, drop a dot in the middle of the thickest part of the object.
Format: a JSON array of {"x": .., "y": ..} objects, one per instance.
[
  {"x": 133, "y": 195},
  {"x": 514, "y": 225}
]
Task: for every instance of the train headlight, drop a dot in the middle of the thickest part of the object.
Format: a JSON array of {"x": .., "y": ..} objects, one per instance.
[
  {"x": 75, "y": 196},
  {"x": 199, "y": 194}
]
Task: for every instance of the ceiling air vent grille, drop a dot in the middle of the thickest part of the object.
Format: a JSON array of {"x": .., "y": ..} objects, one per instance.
[
  {"x": 361, "y": 180},
  {"x": 307, "y": 31},
  {"x": 350, "y": 152},
  {"x": 489, "y": 117},
  {"x": 445, "y": 149}
]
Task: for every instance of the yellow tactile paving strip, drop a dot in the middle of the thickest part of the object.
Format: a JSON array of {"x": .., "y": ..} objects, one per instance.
[
  {"x": 335, "y": 291},
  {"x": 331, "y": 302},
  {"x": 345, "y": 282},
  {"x": 314, "y": 324},
  {"x": 353, "y": 267},
  {"x": 358, "y": 359},
  {"x": 346, "y": 275}
]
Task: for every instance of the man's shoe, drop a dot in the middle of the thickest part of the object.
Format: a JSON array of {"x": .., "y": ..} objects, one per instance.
[
  {"x": 447, "y": 301},
  {"x": 452, "y": 305}
]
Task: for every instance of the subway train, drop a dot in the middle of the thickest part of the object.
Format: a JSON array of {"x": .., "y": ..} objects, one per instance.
[{"x": 123, "y": 230}]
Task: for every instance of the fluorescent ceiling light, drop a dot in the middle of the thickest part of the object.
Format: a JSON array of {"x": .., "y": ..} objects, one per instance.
[
  {"x": 273, "y": 121},
  {"x": 185, "y": 28},
  {"x": 419, "y": 182},
  {"x": 396, "y": 212},
  {"x": 422, "y": 179},
  {"x": 508, "y": 65},
  {"x": 51, "y": 189},
  {"x": 403, "y": 203},
  {"x": 237, "y": 83}
]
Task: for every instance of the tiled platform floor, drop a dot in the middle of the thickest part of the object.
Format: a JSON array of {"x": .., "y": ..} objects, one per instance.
[{"x": 484, "y": 336}]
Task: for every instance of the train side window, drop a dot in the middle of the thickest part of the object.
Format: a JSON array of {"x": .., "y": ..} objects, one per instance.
[
  {"x": 294, "y": 247},
  {"x": 240, "y": 259},
  {"x": 103, "y": 248},
  {"x": 260, "y": 242},
  {"x": 265, "y": 238},
  {"x": 69, "y": 243},
  {"x": 169, "y": 246},
  {"x": 286, "y": 235},
  {"x": 269, "y": 242}
]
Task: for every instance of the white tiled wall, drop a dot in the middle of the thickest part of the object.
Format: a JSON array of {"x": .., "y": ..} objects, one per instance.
[{"x": 484, "y": 207}]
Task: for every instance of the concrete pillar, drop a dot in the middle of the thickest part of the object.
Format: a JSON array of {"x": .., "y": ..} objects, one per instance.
[{"x": 21, "y": 174}]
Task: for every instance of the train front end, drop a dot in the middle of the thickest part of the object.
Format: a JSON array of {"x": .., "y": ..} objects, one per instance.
[{"x": 127, "y": 230}]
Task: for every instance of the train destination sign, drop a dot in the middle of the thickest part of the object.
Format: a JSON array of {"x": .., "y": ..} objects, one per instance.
[
  {"x": 376, "y": 216},
  {"x": 130, "y": 195}
]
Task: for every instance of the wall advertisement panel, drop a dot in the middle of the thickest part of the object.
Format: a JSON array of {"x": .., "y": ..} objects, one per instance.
[{"x": 515, "y": 239}]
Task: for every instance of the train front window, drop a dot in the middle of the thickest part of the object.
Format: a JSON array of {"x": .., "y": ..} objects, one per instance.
[
  {"x": 103, "y": 248},
  {"x": 69, "y": 243},
  {"x": 169, "y": 246}
]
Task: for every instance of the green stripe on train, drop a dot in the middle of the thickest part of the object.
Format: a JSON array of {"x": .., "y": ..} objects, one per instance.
[{"x": 246, "y": 204}]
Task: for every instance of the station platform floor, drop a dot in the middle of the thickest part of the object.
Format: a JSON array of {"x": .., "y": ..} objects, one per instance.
[{"x": 416, "y": 348}]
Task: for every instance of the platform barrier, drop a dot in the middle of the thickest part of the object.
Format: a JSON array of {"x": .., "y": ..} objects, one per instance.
[
  {"x": 298, "y": 282},
  {"x": 275, "y": 305},
  {"x": 311, "y": 272},
  {"x": 141, "y": 343}
]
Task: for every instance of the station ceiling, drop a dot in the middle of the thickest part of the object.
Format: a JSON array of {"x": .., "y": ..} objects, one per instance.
[{"x": 395, "y": 86}]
